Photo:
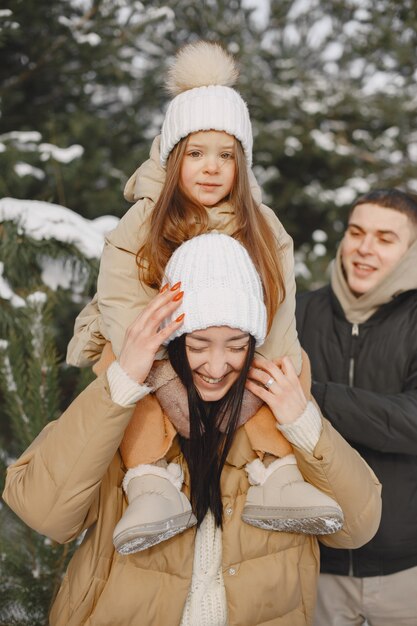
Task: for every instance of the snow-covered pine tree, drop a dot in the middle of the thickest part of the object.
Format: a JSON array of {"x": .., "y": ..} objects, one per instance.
[
  {"x": 31, "y": 565},
  {"x": 48, "y": 263},
  {"x": 334, "y": 100}
]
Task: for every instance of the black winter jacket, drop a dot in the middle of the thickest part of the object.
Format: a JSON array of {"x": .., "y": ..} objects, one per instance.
[{"x": 365, "y": 381}]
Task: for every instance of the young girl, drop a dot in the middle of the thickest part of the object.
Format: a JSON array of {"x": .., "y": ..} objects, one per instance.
[
  {"x": 224, "y": 572},
  {"x": 197, "y": 180}
]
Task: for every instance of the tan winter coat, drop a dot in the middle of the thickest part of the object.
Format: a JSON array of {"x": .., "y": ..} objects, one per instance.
[
  {"x": 121, "y": 296},
  {"x": 70, "y": 479}
]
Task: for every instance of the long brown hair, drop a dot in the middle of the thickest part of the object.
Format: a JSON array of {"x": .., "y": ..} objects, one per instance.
[{"x": 177, "y": 217}]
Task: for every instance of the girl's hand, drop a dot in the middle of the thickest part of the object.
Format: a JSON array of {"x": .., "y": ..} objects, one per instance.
[
  {"x": 144, "y": 336},
  {"x": 277, "y": 384}
]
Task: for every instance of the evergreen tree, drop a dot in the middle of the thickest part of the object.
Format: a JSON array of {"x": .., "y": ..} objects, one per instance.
[
  {"x": 31, "y": 566},
  {"x": 35, "y": 386},
  {"x": 337, "y": 119},
  {"x": 70, "y": 77}
]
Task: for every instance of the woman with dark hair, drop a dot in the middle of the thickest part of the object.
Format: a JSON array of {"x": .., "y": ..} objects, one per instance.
[{"x": 223, "y": 571}]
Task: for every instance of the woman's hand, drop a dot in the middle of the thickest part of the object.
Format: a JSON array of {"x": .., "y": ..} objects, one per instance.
[
  {"x": 144, "y": 336},
  {"x": 277, "y": 384}
]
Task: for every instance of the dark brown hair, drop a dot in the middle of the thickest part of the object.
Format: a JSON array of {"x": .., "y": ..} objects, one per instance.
[{"x": 390, "y": 199}]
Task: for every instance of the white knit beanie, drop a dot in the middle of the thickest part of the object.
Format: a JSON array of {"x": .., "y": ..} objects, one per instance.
[
  {"x": 201, "y": 79},
  {"x": 221, "y": 286}
]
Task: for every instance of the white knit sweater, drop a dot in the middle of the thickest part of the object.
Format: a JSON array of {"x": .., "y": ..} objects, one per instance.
[{"x": 206, "y": 603}]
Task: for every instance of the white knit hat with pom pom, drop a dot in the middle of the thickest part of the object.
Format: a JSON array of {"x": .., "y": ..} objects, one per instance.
[{"x": 201, "y": 79}]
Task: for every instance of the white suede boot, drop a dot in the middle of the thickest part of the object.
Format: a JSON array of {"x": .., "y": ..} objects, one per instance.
[
  {"x": 157, "y": 508},
  {"x": 280, "y": 499}
]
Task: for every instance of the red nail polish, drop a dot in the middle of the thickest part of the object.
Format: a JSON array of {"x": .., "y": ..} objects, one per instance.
[
  {"x": 178, "y": 296},
  {"x": 176, "y": 286},
  {"x": 180, "y": 317},
  {"x": 164, "y": 288}
]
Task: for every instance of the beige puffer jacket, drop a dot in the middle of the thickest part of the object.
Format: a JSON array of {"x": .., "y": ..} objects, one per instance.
[
  {"x": 120, "y": 295},
  {"x": 70, "y": 479}
]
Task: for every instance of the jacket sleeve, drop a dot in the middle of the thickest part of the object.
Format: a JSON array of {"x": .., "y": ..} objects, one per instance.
[
  {"x": 89, "y": 338},
  {"x": 383, "y": 422},
  {"x": 282, "y": 339},
  {"x": 338, "y": 470},
  {"x": 120, "y": 295},
  {"x": 54, "y": 486}
]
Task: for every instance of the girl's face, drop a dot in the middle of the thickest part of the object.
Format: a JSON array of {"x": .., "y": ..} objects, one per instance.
[
  {"x": 208, "y": 167},
  {"x": 216, "y": 357}
]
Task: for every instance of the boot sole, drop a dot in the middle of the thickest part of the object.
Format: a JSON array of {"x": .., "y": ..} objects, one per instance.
[
  {"x": 314, "y": 521},
  {"x": 143, "y": 536}
]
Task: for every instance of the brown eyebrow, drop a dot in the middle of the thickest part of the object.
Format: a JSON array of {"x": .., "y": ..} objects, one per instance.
[{"x": 379, "y": 232}]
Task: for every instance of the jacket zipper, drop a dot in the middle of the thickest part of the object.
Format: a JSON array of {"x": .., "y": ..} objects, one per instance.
[{"x": 355, "y": 334}]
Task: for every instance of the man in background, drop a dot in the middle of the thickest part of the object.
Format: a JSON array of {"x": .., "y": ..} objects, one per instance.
[{"x": 360, "y": 333}]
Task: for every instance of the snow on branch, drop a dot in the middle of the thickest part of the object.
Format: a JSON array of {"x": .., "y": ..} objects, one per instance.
[{"x": 43, "y": 220}]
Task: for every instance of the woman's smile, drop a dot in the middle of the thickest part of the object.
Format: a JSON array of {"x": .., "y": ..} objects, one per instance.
[{"x": 211, "y": 381}]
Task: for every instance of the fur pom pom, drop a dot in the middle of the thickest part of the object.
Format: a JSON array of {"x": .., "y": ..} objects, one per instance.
[{"x": 199, "y": 65}]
